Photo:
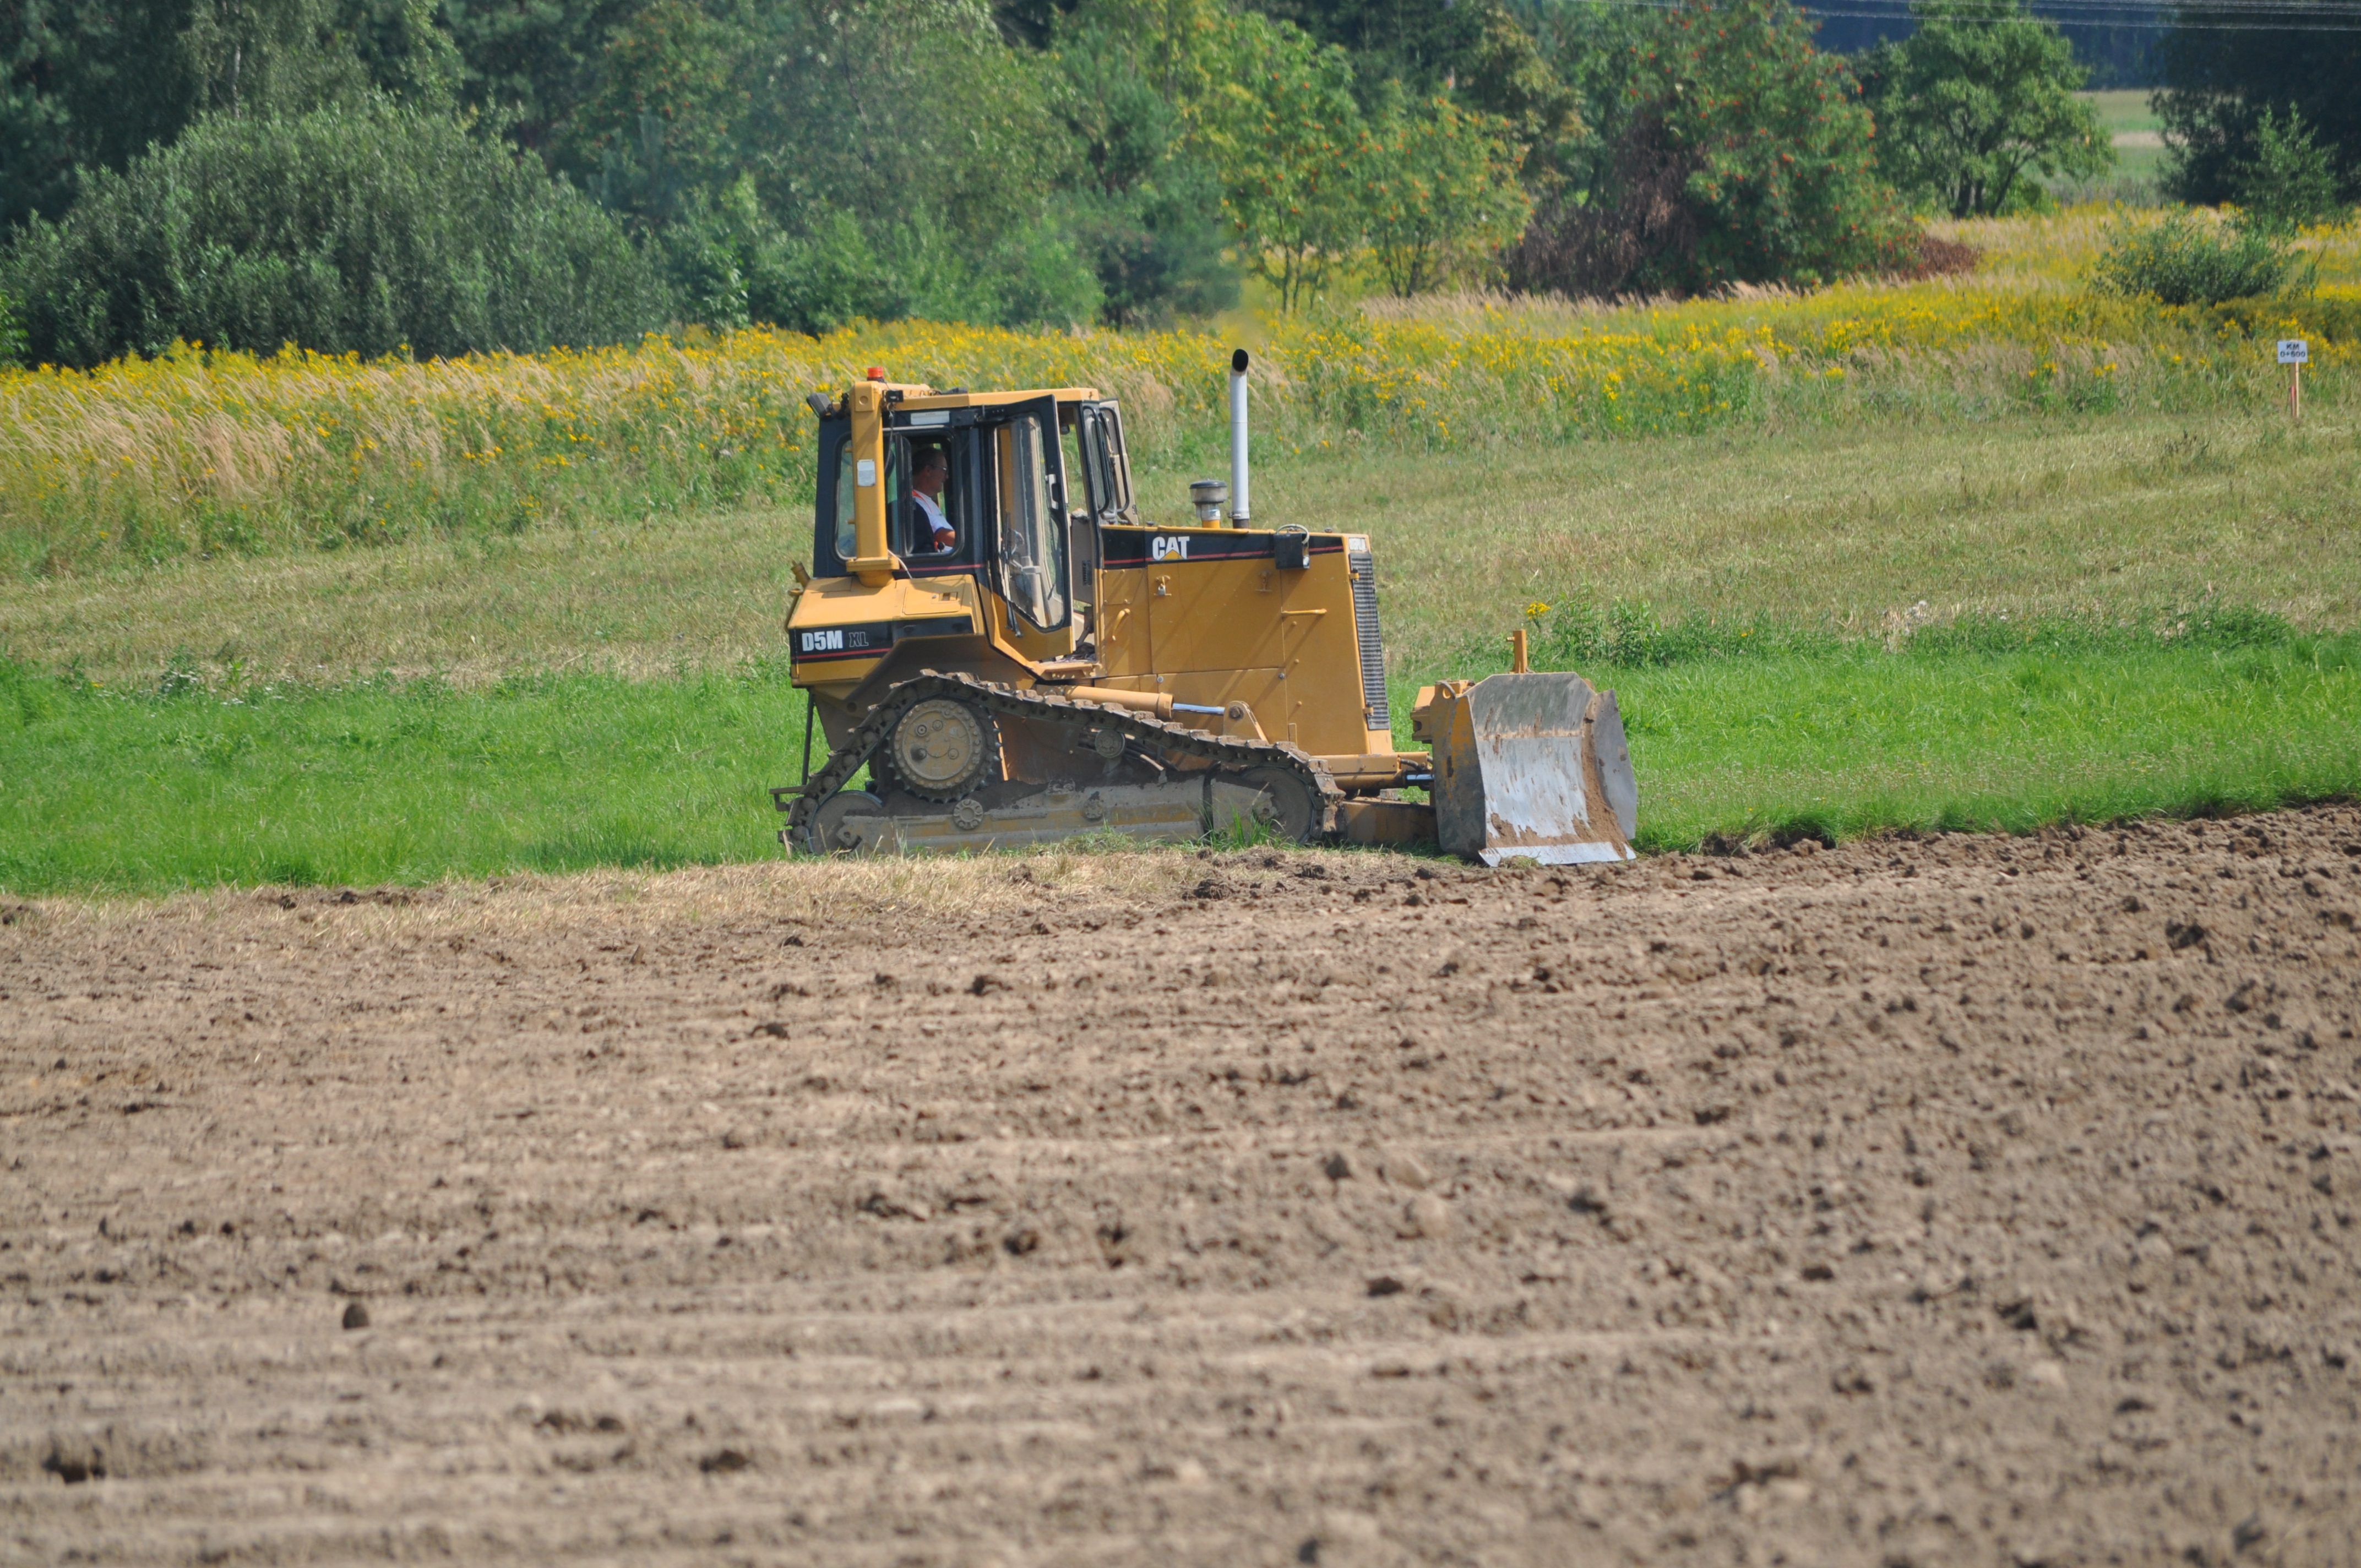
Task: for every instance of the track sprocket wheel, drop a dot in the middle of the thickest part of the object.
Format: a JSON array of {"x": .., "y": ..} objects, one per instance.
[{"x": 941, "y": 750}]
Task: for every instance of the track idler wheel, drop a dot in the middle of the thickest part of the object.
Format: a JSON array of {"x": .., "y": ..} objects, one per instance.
[
  {"x": 828, "y": 834},
  {"x": 1287, "y": 804},
  {"x": 941, "y": 749}
]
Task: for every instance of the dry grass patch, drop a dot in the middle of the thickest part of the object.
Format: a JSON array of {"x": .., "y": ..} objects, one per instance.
[{"x": 619, "y": 903}]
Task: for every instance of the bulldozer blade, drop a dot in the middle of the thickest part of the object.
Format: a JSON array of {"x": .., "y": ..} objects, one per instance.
[{"x": 1534, "y": 765}]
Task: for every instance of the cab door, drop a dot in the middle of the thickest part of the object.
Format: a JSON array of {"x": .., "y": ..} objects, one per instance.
[{"x": 1031, "y": 566}]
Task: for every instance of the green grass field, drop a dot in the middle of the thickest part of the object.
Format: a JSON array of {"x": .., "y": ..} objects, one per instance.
[
  {"x": 1909, "y": 598},
  {"x": 408, "y": 781},
  {"x": 567, "y": 700}
]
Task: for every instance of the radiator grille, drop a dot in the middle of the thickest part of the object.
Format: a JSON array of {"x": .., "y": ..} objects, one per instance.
[{"x": 1363, "y": 568}]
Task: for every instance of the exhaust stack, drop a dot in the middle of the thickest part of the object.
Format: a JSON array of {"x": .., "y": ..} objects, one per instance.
[{"x": 1239, "y": 511}]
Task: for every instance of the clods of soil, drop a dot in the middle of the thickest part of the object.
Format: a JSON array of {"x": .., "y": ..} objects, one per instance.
[{"x": 1947, "y": 1200}]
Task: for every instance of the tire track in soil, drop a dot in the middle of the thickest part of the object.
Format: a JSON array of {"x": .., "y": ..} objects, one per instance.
[{"x": 1957, "y": 1199}]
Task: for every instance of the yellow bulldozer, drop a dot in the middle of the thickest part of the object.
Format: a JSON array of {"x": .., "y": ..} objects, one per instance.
[{"x": 1017, "y": 655}]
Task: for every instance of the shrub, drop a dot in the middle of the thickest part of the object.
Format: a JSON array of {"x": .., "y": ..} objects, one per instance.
[
  {"x": 2328, "y": 320},
  {"x": 2186, "y": 261},
  {"x": 11, "y": 333},
  {"x": 373, "y": 230},
  {"x": 1917, "y": 254}
]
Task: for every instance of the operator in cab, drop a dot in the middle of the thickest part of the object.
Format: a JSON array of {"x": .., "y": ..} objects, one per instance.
[{"x": 929, "y": 468}]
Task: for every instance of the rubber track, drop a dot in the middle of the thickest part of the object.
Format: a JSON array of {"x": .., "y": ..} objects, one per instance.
[{"x": 1228, "y": 752}]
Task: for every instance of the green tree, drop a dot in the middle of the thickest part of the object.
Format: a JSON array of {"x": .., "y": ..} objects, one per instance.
[
  {"x": 1975, "y": 102},
  {"x": 84, "y": 85},
  {"x": 2225, "y": 69},
  {"x": 1148, "y": 207},
  {"x": 1508, "y": 75},
  {"x": 376, "y": 229},
  {"x": 1440, "y": 190},
  {"x": 2291, "y": 180},
  {"x": 667, "y": 115},
  {"x": 1720, "y": 145},
  {"x": 901, "y": 112},
  {"x": 1284, "y": 134},
  {"x": 1423, "y": 44},
  {"x": 531, "y": 65},
  {"x": 743, "y": 140}
]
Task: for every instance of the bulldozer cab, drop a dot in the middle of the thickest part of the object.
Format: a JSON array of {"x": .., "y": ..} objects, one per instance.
[{"x": 1008, "y": 495}]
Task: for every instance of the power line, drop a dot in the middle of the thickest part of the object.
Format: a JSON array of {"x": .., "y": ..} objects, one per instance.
[{"x": 2271, "y": 15}]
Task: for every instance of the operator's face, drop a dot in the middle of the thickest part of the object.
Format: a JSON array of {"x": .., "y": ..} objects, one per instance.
[{"x": 929, "y": 479}]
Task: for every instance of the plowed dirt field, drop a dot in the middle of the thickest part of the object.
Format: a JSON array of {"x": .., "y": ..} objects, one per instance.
[{"x": 1951, "y": 1200}]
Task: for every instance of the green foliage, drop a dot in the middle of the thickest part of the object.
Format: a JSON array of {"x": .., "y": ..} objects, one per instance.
[
  {"x": 2186, "y": 260},
  {"x": 11, "y": 333},
  {"x": 1148, "y": 212},
  {"x": 1440, "y": 189},
  {"x": 663, "y": 121},
  {"x": 1416, "y": 43},
  {"x": 532, "y": 67},
  {"x": 1784, "y": 185},
  {"x": 376, "y": 230},
  {"x": 1977, "y": 99},
  {"x": 900, "y": 112},
  {"x": 1720, "y": 146},
  {"x": 1281, "y": 128},
  {"x": 2223, "y": 74},
  {"x": 89, "y": 84},
  {"x": 807, "y": 164},
  {"x": 2290, "y": 180}
]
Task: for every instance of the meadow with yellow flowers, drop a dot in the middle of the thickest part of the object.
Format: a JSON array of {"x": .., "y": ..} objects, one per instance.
[
  {"x": 1991, "y": 548},
  {"x": 198, "y": 452}
]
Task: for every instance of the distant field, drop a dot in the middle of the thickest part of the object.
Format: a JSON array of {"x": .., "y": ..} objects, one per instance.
[
  {"x": 2124, "y": 109},
  {"x": 2139, "y": 150},
  {"x": 1746, "y": 500}
]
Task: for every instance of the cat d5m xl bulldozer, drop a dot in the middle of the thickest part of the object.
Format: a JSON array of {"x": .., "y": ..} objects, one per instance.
[{"x": 1017, "y": 655}]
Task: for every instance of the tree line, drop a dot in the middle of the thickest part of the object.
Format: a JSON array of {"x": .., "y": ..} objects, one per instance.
[{"x": 437, "y": 176}]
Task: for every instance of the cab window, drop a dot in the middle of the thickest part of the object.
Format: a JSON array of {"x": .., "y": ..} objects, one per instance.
[
  {"x": 1104, "y": 464},
  {"x": 942, "y": 496},
  {"x": 897, "y": 491}
]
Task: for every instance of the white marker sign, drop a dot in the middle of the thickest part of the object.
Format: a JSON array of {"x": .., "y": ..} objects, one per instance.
[{"x": 2294, "y": 351}]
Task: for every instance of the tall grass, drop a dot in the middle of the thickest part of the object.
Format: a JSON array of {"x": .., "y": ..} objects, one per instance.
[{"x": 198, "y": 452}]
